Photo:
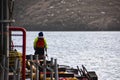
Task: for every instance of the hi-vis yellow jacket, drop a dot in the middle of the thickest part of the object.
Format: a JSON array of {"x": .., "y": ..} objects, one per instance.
[{"x": 35, "y": 42}]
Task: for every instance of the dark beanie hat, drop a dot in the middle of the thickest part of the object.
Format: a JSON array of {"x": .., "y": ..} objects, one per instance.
[{"x": 40, "y": 34}]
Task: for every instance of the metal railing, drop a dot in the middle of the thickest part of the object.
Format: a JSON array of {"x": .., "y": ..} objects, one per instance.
[
  {"x": 13, "y": 28},
  {"x": 52, "y": 67},
  {"x": 16, "y": 70}
]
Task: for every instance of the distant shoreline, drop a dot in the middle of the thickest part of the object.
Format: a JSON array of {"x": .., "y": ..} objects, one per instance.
[{"x": 83, "y": 28}]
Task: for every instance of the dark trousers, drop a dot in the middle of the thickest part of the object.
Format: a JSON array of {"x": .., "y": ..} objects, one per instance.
[{"x": 40, "y": 52}]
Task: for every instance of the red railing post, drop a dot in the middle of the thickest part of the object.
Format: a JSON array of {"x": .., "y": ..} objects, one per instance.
[{"x": 13, "y": 28}]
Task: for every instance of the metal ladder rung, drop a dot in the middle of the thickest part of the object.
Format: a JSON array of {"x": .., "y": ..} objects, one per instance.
[
  {"x": 17, "y": 46},
  {"x": 17, "y": 34}
]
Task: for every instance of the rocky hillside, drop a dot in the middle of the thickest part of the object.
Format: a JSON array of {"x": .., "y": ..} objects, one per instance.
[{"x": 68, "y": 14}]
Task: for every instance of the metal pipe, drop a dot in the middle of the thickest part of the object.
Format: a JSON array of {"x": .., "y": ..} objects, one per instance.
[
  {"x": 18, "y": 70},
  {"x": 1, "y": 67},
  {"x": 31, "y": 69},
  {"x": 1, "y": 34},
  {"x": 37, "y": 69},
  {"x": 15, "y": 69},
  {"x": 56, "y": 70},
  {"x": 4, "y": 37},
  {"x": 51, "y": 64},
  {"x": 44, "y": 68},
  {"x": 6, "y": 52},
  {"x": 3, "y": 73}
]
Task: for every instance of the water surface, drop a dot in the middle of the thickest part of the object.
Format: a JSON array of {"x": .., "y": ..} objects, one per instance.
[{"x": 98, "y": 51}]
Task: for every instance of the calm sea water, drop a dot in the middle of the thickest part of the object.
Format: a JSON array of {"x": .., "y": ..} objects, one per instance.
[{"x": 98, "y": 51}]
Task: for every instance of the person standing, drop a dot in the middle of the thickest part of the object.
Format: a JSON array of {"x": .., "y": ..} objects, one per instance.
[{"x": 40, "y": 45}]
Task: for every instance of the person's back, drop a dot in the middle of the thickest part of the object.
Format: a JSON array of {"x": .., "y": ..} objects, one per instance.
[{"x": 40, "y": 45}]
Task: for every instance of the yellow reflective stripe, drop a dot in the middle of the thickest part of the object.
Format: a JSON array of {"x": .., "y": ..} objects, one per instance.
[{"x": 45, "y": 43}]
